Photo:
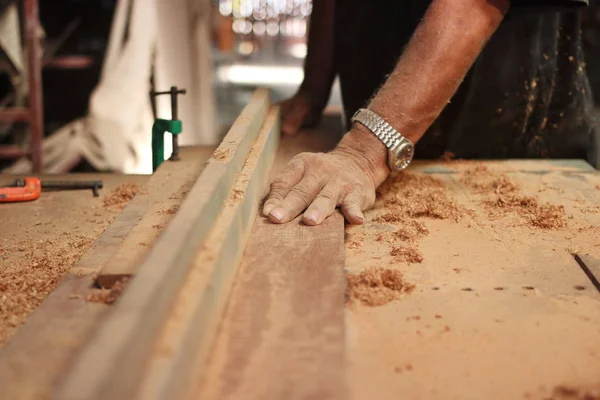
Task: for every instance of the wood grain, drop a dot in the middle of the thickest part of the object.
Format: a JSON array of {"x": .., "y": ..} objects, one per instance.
[
  {"x": 283, "y": 333},
  {"x": 183, "y": 345},
  {"x": 115, "y": 358},
  {"x": 158, "y": 203}
]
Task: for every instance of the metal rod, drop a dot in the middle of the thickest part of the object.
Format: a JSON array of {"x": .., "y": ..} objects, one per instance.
[
  {"x": 13, "y": 152},
  {"x": 34, "y": 67},
  {"x": 14, "y": 114}
]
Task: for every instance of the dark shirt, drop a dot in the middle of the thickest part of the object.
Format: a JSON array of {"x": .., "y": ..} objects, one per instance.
[{"x": 526, "y": 96}]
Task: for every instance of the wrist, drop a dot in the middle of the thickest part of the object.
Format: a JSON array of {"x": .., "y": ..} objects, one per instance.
[{"x": 366, "y": 147}]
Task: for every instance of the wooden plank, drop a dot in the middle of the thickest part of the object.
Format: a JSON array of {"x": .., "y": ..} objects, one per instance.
[
  {"x": 500, "y": 309},
  {"x": 158, "y": 203},
  {"x": 181, "y": 351},
  {"x": 122, "y": 344},
  {"x": 282, "y": 334}
]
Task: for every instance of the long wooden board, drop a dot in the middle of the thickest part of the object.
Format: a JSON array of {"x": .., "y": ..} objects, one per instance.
[
  {"x": 158, "y": 202},
  {"x": 132, "y": 328},
  {"x": 282, "y": 335},
  {"x": 181, "y": 351}
]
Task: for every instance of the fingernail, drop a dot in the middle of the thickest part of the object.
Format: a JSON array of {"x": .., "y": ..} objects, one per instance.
[
  {"x": 267, "y": 209},
  {"x": 278, "y": 214},
  {"x": 311, "y": 218}
]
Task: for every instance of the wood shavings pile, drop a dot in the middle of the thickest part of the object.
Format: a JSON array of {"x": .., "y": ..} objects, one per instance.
[
  {"x": 572, "y": 393},
  {"x": 121, "y": 195},
  {"x": 406, "y": 198},
  {"x": 109, "y": 296},
  {"x": 377, "y": 286},
  {"x": 26, "y": 283},
  {"x": 503, "y": 196}
]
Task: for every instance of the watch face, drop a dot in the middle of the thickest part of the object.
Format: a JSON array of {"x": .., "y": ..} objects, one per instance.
[{"x": 404, "y": 155}]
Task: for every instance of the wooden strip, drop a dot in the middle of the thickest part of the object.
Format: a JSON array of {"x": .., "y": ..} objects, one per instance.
[
  {"x": 190, "y": 331},
  {"x": 158, "y": 202},
  {"x": 120, "y": 348},
  {"x": 282, "y": 336}
]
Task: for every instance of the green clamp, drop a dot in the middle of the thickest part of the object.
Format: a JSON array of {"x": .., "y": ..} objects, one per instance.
[{"x": 159, "y": 128}]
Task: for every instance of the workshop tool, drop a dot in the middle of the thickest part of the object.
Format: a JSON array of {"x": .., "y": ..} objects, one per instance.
[
  {"x": 161, "y": 126},
  {"x": 30, "y": 188}
]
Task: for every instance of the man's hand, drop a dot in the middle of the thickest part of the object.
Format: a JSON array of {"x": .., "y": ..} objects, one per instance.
[
  {"x": 318, "y": 183},
  {"x": 302, "y": 110}
]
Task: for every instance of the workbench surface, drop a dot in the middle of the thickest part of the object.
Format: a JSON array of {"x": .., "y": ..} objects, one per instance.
[
  {"x": 42, "y": 240},
  {"x": 495, "y": 303}
]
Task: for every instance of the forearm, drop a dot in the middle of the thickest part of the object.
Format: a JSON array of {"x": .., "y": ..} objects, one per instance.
[
  {"x": 435, "y": 62},
  {"x": 319, "y": 64}
]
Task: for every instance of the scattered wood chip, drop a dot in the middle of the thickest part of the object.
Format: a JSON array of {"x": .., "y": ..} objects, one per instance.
[
  {"x": 121, "y": 195},
  {"x": 377, "y": 286},
  {"x": 109, "y": 296}
]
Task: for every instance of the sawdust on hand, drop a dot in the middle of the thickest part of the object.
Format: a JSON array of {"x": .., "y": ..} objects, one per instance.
[
  {"x": 377, "y": 286},
  {"x": 121, "y": 195}
]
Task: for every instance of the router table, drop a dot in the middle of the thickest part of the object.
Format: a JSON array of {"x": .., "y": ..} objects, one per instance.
[{"x": 495, "y": 306}]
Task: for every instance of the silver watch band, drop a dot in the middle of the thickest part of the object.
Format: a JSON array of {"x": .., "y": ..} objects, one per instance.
[
  {"x": 401, "y": 149},
  {"x": 384, "y": 131}
]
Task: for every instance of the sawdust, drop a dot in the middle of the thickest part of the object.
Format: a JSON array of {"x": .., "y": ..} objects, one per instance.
[
  {"x": 502, "y": 197},
  {"x": 406, "y": 198},
  {"x": 377, "y": 286},
  {"x": 25, "y": 284},
  {"x": 222, "y": 154},
  {"x": 564, "y": 392},
  {"x": 109, "y": 296},
  {"x": 121, "y": 195},
  {"x": 168, "y": 211},
  {"x": 407, "y": 254}
]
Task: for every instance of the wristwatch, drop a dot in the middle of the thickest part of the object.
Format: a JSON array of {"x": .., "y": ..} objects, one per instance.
[{"x": 400, "y": 149}]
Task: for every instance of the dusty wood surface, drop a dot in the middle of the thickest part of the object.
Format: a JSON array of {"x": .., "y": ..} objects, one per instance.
[
  {"x": 114, "y": 363},
  {"x": 282, "y": 336},
  {"x": 45, "y": 240},
  {"x": 159, "y": 201},
  {"x": 500, "y": 308},
  {"x": 64, "y": 320},
  {"x": 181, "y": 350}
]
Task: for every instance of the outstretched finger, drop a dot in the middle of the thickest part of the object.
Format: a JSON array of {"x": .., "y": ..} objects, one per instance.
[
  {"x": 283, "y": 183},
  {"x": 296, "y": 201},
  {"x": 323, "y": 205},
  {"x": 351, "y": 207}
]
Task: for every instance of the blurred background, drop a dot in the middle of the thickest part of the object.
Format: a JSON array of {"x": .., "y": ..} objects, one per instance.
[{"x": 84, "y": 105}]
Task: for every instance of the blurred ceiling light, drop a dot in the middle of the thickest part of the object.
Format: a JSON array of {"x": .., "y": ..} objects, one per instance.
[
  {"x": 272, "y": 28},
  {"x": 298, "y": 50},
  {"x": 259, "y": 28},
  {"x": 260, "y": 75},
  {"x": 246, "y": 48}
]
